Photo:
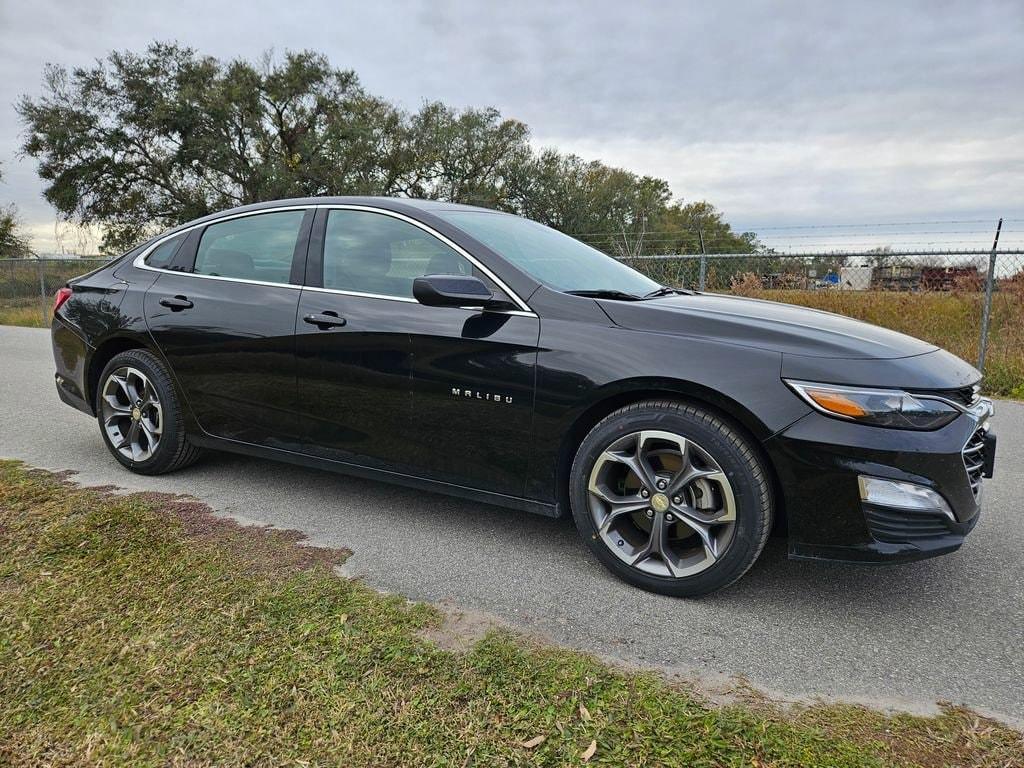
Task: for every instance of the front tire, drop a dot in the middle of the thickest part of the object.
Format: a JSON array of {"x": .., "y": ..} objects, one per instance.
[
  {"x": 671, "y": 498},
  {"x": 140, "y": 415}
]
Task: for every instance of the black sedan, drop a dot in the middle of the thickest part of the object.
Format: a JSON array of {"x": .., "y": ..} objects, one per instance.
[{"x": 475, "y": 353}]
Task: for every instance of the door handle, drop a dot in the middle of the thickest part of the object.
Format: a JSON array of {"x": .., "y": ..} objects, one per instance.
[
  {"x": 325, "y": 320},
  {"x": 176, "y": 303}
]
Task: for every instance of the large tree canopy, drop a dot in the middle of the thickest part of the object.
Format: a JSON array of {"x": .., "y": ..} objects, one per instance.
[
  {"x": 141, "y": 142},
  {"x": 13, "y": 243}
]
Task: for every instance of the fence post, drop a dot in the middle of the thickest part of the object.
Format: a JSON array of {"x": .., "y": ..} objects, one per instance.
[
  {"x": 986, "y": 312},
  {"x": 42, "y": 291},
  {"x": 703, "y": 261}
]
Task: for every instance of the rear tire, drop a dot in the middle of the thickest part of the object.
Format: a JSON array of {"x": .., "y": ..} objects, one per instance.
[
  {"x": 697, "y": 519},
  {"x": 140, "y": 415}
]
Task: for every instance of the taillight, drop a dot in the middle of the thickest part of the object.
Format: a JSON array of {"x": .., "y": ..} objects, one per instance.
[{"x": 62, "y": 295}]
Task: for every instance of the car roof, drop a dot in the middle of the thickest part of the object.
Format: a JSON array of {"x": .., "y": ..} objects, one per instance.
[
  {"x": 390, "y": 203},
  {"x": 398, "y": 204}
]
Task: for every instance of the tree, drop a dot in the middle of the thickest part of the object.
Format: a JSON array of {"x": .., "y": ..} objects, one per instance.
[
  {"x": 13, "y": 243},
  {"x": 141, "y": 142},
  {"x": 699, "y": 226},
  {"x": 607, "y": 207}
]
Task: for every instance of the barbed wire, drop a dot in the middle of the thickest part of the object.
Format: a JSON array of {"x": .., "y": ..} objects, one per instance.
[
  {"x": 686, "y": 233},
  {"x": 852, "y": 225}
]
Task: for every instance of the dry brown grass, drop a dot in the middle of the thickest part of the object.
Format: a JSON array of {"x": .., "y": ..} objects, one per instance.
[
  {"x": 949, "y": 320},
  {"x": 22, "y": 311}
]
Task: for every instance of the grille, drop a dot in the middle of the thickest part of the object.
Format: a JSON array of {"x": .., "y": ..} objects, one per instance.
[
  {"x": 897, "y": 526},
  {"x": 974, "y": 459},
  {"x": 965, "y": 396}
]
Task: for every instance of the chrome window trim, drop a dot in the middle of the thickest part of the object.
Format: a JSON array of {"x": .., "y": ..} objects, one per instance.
[
  {"x": 407, "y": 300},
  {"x": 140, "y": 261},
  {"x": 523, "y": 306}
]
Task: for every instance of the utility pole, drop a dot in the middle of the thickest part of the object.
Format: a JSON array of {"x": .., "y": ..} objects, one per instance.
[
  {"x": 703, "y": 260},
  {"x": 986, "y": 313},
  {"x": 42, "y": 292}
]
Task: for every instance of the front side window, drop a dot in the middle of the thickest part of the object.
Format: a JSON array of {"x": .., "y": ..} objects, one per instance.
[
  {"x": 161, "y": 256},
  {"x": 378, "y": 254},
  {"x": 251, "y": 247},
  {"x": 557, "y": 260}
]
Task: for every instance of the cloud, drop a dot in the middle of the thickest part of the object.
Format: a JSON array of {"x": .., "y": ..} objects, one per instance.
[{"x": 776, "y": 112}]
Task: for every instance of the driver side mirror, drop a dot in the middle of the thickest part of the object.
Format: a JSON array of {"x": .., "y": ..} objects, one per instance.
[{"x": 454, "y": 291}]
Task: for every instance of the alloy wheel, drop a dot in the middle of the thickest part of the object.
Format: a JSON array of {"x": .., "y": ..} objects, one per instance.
[
  {"x": 132, "y": 414},
  {"x": 662, "y": 503}
]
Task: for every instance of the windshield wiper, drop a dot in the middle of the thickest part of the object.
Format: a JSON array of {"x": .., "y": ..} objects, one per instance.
[
  {"x": 665, "y": 290},
  {"x": 606, "y": 293}
]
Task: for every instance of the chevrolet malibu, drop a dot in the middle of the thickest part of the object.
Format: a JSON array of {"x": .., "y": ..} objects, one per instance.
[{"x": 476, "y": 353}]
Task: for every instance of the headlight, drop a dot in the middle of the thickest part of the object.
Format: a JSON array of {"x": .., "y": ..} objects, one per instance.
[{"x": 878, "y": 407}]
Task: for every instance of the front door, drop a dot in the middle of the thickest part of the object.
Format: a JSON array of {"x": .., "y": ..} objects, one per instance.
[
  {"x": 227, "y": 325},
  {"x": 379, "y": 372}
]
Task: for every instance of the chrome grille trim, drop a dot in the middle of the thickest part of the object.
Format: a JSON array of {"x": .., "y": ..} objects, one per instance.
[{"x": 974, "y": 459}]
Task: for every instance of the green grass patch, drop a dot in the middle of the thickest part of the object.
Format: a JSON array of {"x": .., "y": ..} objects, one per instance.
[
  {"x": 140, "y": 630},
  {"x": 23, "y": 311}
]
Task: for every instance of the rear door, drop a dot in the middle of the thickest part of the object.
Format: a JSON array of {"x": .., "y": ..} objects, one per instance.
[{"x": 226, "y": 322}]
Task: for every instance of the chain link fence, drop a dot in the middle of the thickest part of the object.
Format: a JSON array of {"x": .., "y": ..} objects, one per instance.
[
  {"x": 27, "y": 286},
  {"x": 970, "y": 302}
]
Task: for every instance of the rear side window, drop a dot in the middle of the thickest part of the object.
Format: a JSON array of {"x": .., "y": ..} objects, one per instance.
[
  {"x": 374, "y": 253},
  {"x": 161, "y": 256},
  {"x": 250, "y": 248}
]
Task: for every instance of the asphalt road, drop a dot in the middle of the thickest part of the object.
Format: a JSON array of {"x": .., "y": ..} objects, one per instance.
[{"x": 948, "y": 629}]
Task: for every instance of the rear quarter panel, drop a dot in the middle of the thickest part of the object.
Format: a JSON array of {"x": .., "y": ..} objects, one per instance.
[{"x": 102, "y": 306}]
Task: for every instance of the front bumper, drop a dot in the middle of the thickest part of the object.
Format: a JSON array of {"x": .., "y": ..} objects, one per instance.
[{"x": 819, "y": 461}]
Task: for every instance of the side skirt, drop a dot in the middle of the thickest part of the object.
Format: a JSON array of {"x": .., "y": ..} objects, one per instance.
[{"x": 370, "y": 473}]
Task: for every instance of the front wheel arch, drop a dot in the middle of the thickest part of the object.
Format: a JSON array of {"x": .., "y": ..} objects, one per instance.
[{"x": 725, "y": 408}]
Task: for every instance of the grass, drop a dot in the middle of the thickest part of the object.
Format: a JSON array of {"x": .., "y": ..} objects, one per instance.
[
  {"x": 23, "y": 311},
  {"x": 949, "y": 320},
  {"x": 139, "y": 630}
]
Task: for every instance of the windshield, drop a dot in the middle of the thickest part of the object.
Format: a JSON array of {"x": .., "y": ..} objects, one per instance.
[{"x": 557, "y": 260}]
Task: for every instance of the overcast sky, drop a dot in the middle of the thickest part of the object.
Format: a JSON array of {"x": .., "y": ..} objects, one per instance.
[{"x": 778, "y": 113}]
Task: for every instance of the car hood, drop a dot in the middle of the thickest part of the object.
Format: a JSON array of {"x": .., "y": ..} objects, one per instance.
[{"x": 765, "y": 324}]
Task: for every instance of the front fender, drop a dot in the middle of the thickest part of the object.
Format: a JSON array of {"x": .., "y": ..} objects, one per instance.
[{"x": 580, "y": 366}]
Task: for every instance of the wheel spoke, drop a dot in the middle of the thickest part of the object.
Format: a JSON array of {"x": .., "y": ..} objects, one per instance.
[
  {"x": 617, "y": 505},
  {"x": 684, "y": 536},
  {"x": 147, "y": 393},
  {"x": 156, "y": 425},
  {"x": 655, "y": 541},
  {"x": 636, "y": 464},
  {"x": 133, "y": 440},
  {"x": 115, "y": 406},
  {"x": 704, "y": 532},
  {"x": 658, "y": 546},
  {"x": 122, "y": 383},
  {"x": 150, "y": 436},
  {"x": 687, "y": 475},
  {"x": 133, "y": 380},
  {"x": 112, "y": 419}
]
